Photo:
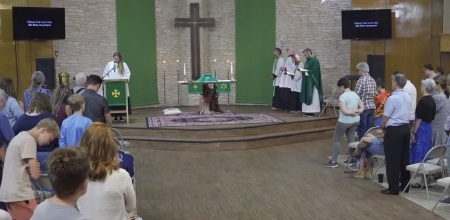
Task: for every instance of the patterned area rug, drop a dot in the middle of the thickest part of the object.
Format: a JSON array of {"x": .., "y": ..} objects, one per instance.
[{"x": 193, "y": 119}]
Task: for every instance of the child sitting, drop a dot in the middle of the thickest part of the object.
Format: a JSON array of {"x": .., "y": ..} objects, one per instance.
[
  {"x": 21, "y": 163},
  {"x": 68, "y": 171},
  {"x": 74, "y": 126},
  {"x": 369, "y": 144}
]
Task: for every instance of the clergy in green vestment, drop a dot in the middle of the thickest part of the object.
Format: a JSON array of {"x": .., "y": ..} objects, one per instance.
[{"x": 312, "y": 93}]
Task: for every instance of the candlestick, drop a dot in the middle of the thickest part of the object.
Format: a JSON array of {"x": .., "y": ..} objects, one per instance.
[
  {"x": 231, "y": 67},
  {"x": 184, "y": 69}
]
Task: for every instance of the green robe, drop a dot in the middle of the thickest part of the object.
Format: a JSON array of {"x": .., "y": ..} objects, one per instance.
[{"x": 314, "y": 78}]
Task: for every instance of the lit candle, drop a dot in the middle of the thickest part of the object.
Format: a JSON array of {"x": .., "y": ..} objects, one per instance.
[
  {"x": 164, "y": 67},
  {"x": 231, "y": 67},
  {"x": 184, "y": 69}
]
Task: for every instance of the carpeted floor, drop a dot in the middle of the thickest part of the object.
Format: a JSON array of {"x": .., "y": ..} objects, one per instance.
[{"x": 193, "y": 119}]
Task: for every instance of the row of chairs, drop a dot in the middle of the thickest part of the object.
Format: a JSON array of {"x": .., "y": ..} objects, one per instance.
[{"x": 438, "y": 164}]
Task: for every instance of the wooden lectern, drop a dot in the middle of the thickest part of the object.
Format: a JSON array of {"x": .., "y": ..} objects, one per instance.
[{"x": 116, "y": 93}]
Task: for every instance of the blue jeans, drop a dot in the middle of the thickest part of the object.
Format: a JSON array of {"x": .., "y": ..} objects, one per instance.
[{"x": 365, "y": 122}]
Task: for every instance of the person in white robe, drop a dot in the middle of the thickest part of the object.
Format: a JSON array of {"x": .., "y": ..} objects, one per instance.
[
  {"x": 276, "y": 77},
  {"x": 285, "y": 79},
  {"x": 117, "y": 69},
  {"x": 296, "y": 86}
]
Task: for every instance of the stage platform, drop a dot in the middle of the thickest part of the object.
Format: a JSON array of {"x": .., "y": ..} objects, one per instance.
[{"x": 294, "y": 128}]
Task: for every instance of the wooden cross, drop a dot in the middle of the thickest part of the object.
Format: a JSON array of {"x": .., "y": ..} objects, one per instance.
[{"x": 195, "y": 22}]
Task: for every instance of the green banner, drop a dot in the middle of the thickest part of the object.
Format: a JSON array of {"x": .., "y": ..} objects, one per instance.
[
  {"x": 116, "y": 94},
  {"x": 224, "y": 87},
  {"x": 195, "y": 88}
]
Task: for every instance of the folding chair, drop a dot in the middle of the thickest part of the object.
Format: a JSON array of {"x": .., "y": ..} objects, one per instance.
[
  {"x": 379, "y": 165},
  {"x": 42, "y": 188},
  {"x": 426, "y": 168},
  {"x": 442, "y": 162},
  {"x": 331, "y": 102},
  {"x": 445, "y": 182},
  {"x": 354, "y": 145}
]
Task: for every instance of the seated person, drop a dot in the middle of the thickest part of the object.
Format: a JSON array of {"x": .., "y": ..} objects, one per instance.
[
  {"x": 369, "y": 145},
  {"x": 209, "y": 100},
  {"x": 68, "y": 171},
  {"x": 127, "y": 162},
  {"x": 73, "y": 127}
]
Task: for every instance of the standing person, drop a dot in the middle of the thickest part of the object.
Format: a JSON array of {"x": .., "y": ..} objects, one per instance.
[
  {"x": 412, "y": 92},
  {"x": 276, "y": 77},
  {"x": 442, "y": 109},
  {"x": 110, "y": 194},
  {"x": 429, "y": 71},
  {"x": 422, "y": 132},
  {"x": 58, "y": 101},
  {"x": 80, "y": 81},
  {"x": 312, "y": 93},
  {"x": 68, "y": 172},
  {"x": 440, "y": 71},
  {"x": 117, "y": 69},
  {"x": 39, "y": 109},
  {"x": 96, "y": 106},
  {"x": 366, "y": 88},
  {"x": 285, "y": 79},
  {"x": 397, "y": 136},
  {"x": 350, "y": 107},
  {"x": 380, "y": 100},
  {"x": 37, "y": 81},
  {"x": 74, "y": 126},
  {"x": 21, "y": 165},
  {"x": 13, "y": 109},
  {"x": 296, "y": 86}
]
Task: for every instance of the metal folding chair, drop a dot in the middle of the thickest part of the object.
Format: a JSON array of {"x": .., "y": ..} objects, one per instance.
[
  {"x": 330, "y": 102},
  {"x": 426, "y": 168}
]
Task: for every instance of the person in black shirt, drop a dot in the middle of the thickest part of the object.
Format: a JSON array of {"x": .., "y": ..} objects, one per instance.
[
  {"x": 96, "y": 105},
  {"x": 421, "y": 137}
]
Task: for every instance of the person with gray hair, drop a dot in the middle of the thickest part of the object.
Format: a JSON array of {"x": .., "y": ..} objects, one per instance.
[
  {"x": 422, "y": 132},
  {"x": 37, "y": 81},
  {"x": 366, "y": 88},
  {"x": 81, "y": 83},
  {"x": 397, "y": 136}
]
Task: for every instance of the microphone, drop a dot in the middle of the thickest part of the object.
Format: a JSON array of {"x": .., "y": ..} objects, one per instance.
[{"x": 107, "y": 74}]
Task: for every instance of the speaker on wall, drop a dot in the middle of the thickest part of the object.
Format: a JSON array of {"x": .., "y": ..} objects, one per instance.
[
  {"x": 47, "y": 66},
  {"x": 376, "y": 66}
]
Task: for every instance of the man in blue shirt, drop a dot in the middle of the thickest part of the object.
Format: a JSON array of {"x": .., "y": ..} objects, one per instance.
[
  {"x": 74, "y": 126},
  {"x": 397, "y": 136}
]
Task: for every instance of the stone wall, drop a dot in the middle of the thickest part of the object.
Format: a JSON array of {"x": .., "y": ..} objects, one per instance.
[{"x": 316, "y": 25}]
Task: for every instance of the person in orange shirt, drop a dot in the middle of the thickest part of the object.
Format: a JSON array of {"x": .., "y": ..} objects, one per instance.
[{"x": 379, "y": 100}]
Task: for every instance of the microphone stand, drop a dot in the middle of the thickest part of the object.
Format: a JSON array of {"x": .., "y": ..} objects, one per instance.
[{"x": 107, "y": 74}]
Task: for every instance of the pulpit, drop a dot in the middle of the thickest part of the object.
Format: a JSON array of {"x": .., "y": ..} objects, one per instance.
[{"x": 116, "y": 93}]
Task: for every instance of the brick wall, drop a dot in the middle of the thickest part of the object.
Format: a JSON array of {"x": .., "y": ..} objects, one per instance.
[
  {"x": 173, "y": 43},
  {"x": 316, "y": 25},
  {"x": 91, "y": 36},
  {"x": 91, "y": 40}
]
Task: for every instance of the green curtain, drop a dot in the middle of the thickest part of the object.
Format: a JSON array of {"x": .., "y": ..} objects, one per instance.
[
  {"x": 136, "y": 40},
  {"x": 255, "y": 41}
]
